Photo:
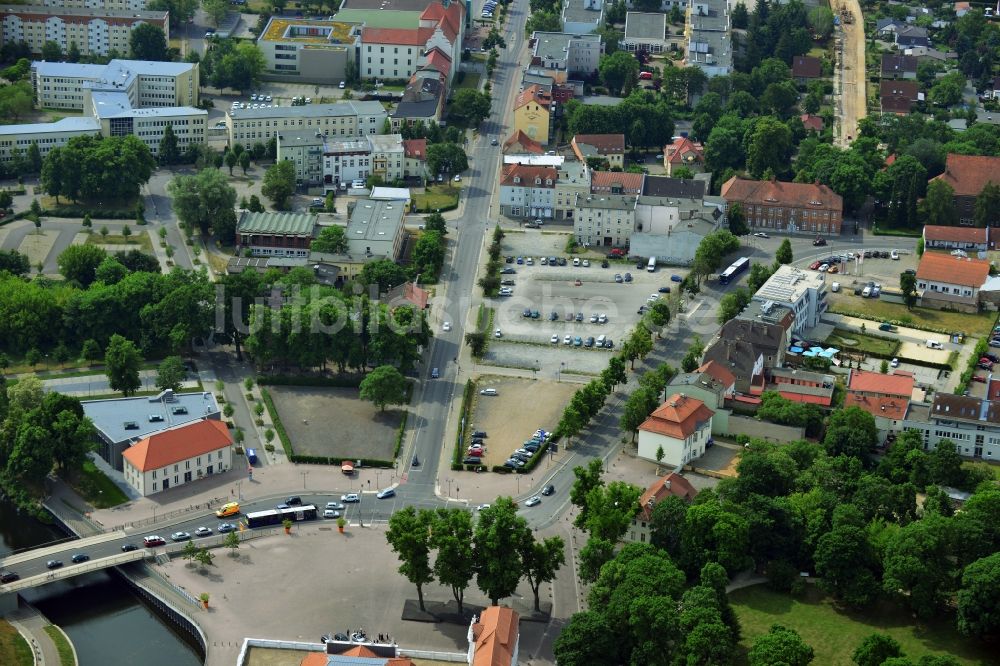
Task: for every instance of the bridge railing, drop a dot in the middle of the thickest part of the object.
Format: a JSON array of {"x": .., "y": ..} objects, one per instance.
[
  {"x": 167, "y": 515},
  {"x": 71, "y": 570}
]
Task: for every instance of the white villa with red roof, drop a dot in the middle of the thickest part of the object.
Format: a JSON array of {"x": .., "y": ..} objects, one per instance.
[
  {"x": 179, "y": 455},
  {"x": 682, "y": 426},
  {"x": 944, "y": 280}
]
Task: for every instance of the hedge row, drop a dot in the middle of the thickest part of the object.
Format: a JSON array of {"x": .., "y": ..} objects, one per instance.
[
  {"x": 901, "y": 233},
  {"x": 463, "y": 425},
  {"x": 340, "y": 381},
  {"x": 81, "y": 212},
  {"x": 963, "y": 383},
  {"x": 279, "y": 427},
  {"x": 399, "y": 434},
  {"x": 327, "y": 460}
]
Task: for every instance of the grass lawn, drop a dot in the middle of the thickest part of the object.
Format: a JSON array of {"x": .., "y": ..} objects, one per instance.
[
  {"x": 62, "y": 645},
  {"x": 976, "y": 325},
  {"x": 995, "y": 468},
  {"x": 14, "y": 650},
  {"x": 437, "y": 196},
  {"x": 869, "y": 344},
  {"x": 96, "y": 488},
  {"x": 138, "y": 240},
  {"x": 834, "y": 633},
  {"x": 471, "y": 80}
]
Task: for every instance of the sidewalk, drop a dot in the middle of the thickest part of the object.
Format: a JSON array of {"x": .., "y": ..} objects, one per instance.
[{"x": 31, "y": 624}]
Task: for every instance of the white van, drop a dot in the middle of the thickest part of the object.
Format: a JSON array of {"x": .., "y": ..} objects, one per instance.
[
  {"x": 651, "y": 266},
  {"x": 358, "y": 184},
  {"x": 601, "y": 339},
  {"x": 488, "y": 391}
]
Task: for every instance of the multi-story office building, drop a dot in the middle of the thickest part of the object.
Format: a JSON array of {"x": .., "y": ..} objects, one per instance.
[
  {"x": 94, "y": 31},
  {"x": 65, "y": 85},
  {"x": 803, "y": 292},
  {"x": 18, "y": 138},
  {"x": 117, "y": 5},
  {"x": 710, "y": 45},
  {"x": 561, "y": 55},
  {"x": 343, "y": 119},
  {"x": 317, "y": 51},
  {"x": 118, "y": 118}
]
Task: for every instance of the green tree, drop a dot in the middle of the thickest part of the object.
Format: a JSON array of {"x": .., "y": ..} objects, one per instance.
[
  {"x": 80, "y": 262},
  {"x": 279, "y": 183},
  {"x": 587, "y": 478},
  {"x": 34, "y": 157},
  {"x": 91, "y": 350},
  {"x": 471, "y": 106},
  {"x": 944, "y": 464},
  {"x": 14, "y": 262},
  {"x": 733, "y": 303},
  {"x": 938, "y": 206},
  {"x": 587, "y": 639},
  {"x": 216, "y": 10},
  {"x": 639, "y": 405},
  {"x": 16, "y": 100},
  {"x": 231, "y": 160},
  {"x": 875, "y": 649},
  {"x": 851, "y": 432},
  {"x": 204, "y": 557},
  {"x": 445, "y": 158},
  {"x": 499, "y": 530},
  {"x": 821, "y": 21},
  {"x": 384, "y": 385},
  {"x": 332, "y": 240},
  {"x": 619, "y": 72},
  {"x": 409, "y": 535},
  {"x": 244, "y": 161},
  {"x": 845, "y": 560},
  {"x": 908, "y": 285},
  {"x": 737, "y": 220},
  {"x": 451, "y": 537},
  {"x": 232, "y": 542},
  {"x": 780, "y": 646},
  {"x": 169, "y": 152},
  {"x": 51, "y": 51},
  {"x": 987, "y": 210},
  {"x": 122, "y": 362},
  {"x": 768, "y": 147},
  {"x": 784, "y": 252},
  {"x": 979, "y": 597},
  {"x": 111, "y": 271},
  {"x": 147, "y": 42},
  {"x": 205, "y": 200},
  {"x": 384, "y": 272},
  {"x": 170, "y": 373},
  {"x": 666, "y": 525},
  {"x": 919, "y": 569},
  {"x": 190, "y": 552},
  {"x": 540, "y": 561}
]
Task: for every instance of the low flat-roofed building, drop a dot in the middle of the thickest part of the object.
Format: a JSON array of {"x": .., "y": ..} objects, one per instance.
[
  {"x": 46, "y": 135},
  {"x": 352, "y": 118},
  {"x": 582, "y": 17},
  {"x": 562, "y": 55},
  {"x": 275, "y": 234},
  {"x": 375, "y": 229},
  {"x": 177, "y": 456},
  {"x": 803, "y": 386},
  {"x": 709, "y": 42},
  {"x": 308, "y": 50},
  {"x": 645, "y": 32},
  {"x": 122, "y": 421}
]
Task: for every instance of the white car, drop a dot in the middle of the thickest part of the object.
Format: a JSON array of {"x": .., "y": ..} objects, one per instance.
[
  {"x": 895, "y": 363},
  {"x": 824, "y": 268},
  {"x": 458, "y": 178},
  {"x": 586, "y": 263},
  {"x": 534, "y": 501},
  {"x": 203, "y": 532},
  {"x": 335, "y": 505},
  {"x": 342, "y": 85},
  {"x": 350, "y": 498},
  {"x": 761, "y": 234},
  {"x": 497, "y": 334},
  {"x": 894, "y": 255},
  {"x": 653, "y": 298},
  {"x": 568, "y": 340},
  {"x": 602, "y": 318},
  {"x": 554, "y": 339},
  {"x": 447, "y": 326},
  {"x": 386, "y": 493},
  {"x": 330, "y": 513}
]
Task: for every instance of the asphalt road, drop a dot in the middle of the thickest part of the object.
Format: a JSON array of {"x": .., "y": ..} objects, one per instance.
[{"x": 435, "y": 395}]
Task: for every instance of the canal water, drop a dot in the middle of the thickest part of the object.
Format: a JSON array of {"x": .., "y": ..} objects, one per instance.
[{"x": 108, "y": 624}]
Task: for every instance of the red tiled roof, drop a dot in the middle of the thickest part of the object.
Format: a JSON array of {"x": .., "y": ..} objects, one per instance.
[
  {"x": 719, "y": 373},
  {"x": 438, "y": 60},
  {"x": 604, "y": 181},
  {"x": 495, "y": 637},
  {"x": 533, "y": 93},
  {"x": 396, "y": 36},
  {"x": 671, "y": 484},
  {"x": 955, "y": 234},
  {"x": 804, "y": 397},
  {"x": 993, "y": 390},
  {"x": 940, "y": 267},
  {"x": 678, "y": 417},
  {"x": 176, "y": 444},
  {"x": 449, "y": 18},
  {"x": 890, "y": 407},
  {"x": 315, "y": 659},
  {"x": 969, "y": 174},
  {"x": 807, "y": 67},
  {"x": 415, "y": 295},
  {"x": 415, "y": 148},
  {"x": 528, "y": 144},
  {"x": 812, "y": 122},
  {"x": 776, "y": 192},
  {"x": 866, "y": 381},
  {"x": 684, "y": 151},
  {"x": 603, "y": 143},
  {"x": 528, "y": 175}
]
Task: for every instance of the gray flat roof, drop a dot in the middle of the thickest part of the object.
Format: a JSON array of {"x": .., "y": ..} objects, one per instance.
[
  {"x": 304, "y": 139},
  {"x": 110, "y": 416},
  {"x": 386, "y": 5},
  {"x": 576, "y": 11},
  {"x": 349, "y": 108},
  {"x": 608, "y": 201},
  {"x": 72, "y": 124},
  {"x": 375, "y": 220},
  {"x": 555, "y": 45},
  {"x": 640, "y": 25}
]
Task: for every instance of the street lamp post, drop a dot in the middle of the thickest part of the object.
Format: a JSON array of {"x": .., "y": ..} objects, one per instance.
[{"x": 304, "y": 479}]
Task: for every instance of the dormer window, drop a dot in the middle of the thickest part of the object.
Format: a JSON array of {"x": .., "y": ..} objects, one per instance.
[
  {"x": 517, "y": 180},
  {"x": 548, "y": 182},
  {"x": 538, "y": 181}
]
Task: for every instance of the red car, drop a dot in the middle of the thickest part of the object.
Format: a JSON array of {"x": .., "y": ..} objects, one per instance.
[
  {"x": 814, "y": 265},
  {"x": 474, "y": 453},
  {"x": 153, "y": 541},
  {"x": 977, "y": 378}
]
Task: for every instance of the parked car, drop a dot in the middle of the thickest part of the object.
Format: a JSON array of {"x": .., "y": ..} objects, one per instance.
[
  {"x": 628, "y": 277},
  {"x": 894, "y": 363},
  {"x": 814, "y": 265},
  {"x": 435, "y": 373},
  {"x": 664, "y": 290}
]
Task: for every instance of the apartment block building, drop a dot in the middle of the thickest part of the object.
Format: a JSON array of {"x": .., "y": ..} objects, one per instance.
[
  {"x": 16, "y": 139},
  {"x": 973, "y": 424},
  {"x": 342, "y": 119},
  {"x": 66, "y": 85},
  {"x": 803, "y": 292},
  {"x": 528, "y": 191},
  {"x": 772, "y": 205},
  {"x": 347, "y": 160},
  {"x": 95, "y": 31},
  {"x": 117, "y": 5},
  {"x": 604, "y": 219},
  {"x": 305, "y": 151},
  {"x": 562, "y": 55}
]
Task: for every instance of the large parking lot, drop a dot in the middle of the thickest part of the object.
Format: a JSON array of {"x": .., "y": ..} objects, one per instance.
[{"x": 569, "y": 300}]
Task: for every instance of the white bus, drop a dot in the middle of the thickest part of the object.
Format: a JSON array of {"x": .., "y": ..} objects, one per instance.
[{"x": 651, "y": 266}]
